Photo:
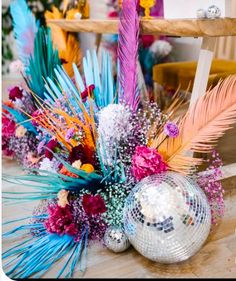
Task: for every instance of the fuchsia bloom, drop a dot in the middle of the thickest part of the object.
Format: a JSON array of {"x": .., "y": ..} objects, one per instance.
[
  {"x": 146, "y": 162},
  {"x": 8, "y": 127},
  {"x": 60, "y": 221},
  {"x": 86, "y": 92},
  {"x": 171, "y": 129},
  {"x": 52, "y": 144},
  {"x": 15, "y": 93},
  {"x": 36, "y": 115},
  {"x": 93, "y": 205}
]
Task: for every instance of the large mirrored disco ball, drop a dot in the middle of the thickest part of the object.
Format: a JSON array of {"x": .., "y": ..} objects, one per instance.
[{"x": 167, "y": 217}]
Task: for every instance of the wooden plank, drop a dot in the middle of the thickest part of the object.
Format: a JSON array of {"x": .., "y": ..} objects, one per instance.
[{"x": 171, "y": 27}]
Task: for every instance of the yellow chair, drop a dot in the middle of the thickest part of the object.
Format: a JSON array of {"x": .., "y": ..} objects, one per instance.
[{"x": 175, "y": 74}]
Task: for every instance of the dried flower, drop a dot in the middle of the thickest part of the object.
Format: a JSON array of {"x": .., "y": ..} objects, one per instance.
[
  {"x": 209, "y": 181},
  {"x": 93, "y": 205},
  {"x": 82, "y": 153},
  {"x": 8, "y": 127},
  {"x": 88, "y": 168},
  {"x": 52, "y": 144},
  {"x": 40, "y": 146},
  {"x": 146, "y": 162},
  {"x": 49, "y": 165},
  {"x": 63, "y": 198},
  {"x": 65, "y": 172},
  {"x": 69, "y": 134},
  {"x": 15, "y": 93},
  {"x": 77, "y": 164},
  {"x": 20, "y": 131},
  {"x": 32, "y": 158},
  {"x": 37, "y": 116},
  {"x": 95, "y": 224},
  {"x": 171, "y": 129},
  {"x": 60, "y": 221}
]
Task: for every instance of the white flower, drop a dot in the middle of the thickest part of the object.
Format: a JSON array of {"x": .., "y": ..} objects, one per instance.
[
  {"x": 114, "y": 125},
  {"x": 160, "y": 48},
  {"x": 20, "y": 131},
  {"x": 47, "y": 165},
  {"x": 77, "y": 164}
]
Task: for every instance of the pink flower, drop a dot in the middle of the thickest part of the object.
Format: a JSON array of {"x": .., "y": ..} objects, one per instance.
[
  {"x": 15, "y": 93},
  {"x": 171, "y": 129},
  {"x": 8, "y": 127},
  {"x": 146, "y": 162},
  {"x": 93, "y": 205},
  {"x": 60, "y": 221},
  {"x": 37, "y": 116}
]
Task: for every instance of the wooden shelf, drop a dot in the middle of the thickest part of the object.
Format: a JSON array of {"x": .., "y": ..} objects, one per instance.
[{"x": 176, "y": 27}]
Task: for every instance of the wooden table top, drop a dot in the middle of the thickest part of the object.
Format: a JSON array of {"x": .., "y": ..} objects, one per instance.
[{"x": 171, "y": 27}]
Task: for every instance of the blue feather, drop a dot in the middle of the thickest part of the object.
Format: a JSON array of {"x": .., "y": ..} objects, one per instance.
[{"x": 25, "y": 28}]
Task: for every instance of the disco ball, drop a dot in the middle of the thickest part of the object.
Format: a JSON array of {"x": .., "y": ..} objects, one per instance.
[
  {"x": 167, "y": 217},
  {"x": 116, "y": 240}
]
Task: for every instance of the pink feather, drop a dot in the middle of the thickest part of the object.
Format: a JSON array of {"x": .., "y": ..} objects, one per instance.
[{"x": 128, "y": 53}]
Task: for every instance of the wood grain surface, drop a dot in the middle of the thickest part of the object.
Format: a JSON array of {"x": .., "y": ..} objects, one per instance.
[{"x": 171, "y": 27}]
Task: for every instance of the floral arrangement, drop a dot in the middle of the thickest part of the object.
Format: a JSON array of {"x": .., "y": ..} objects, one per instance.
[{"x": 86, "y": 141}]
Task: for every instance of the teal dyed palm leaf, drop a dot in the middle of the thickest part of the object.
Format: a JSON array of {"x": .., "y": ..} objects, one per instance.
[
  {"x": 46, "y": 185},
  {"x": 42, "y": 63},
  {"x": 35, "y": 255}
]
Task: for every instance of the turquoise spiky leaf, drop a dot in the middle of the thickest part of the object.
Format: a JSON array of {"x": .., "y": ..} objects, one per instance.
[{"x": 42, "y": 63}]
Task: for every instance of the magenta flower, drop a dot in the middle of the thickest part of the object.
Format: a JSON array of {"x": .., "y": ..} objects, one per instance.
[
  {"x": 15, "y": 93},
  {"x": 52, "y": 144},
  {"x": 8, "y": 127},
  {"x": 37, "y": 115},
  {"x": 60, "y": 221},
  {"x": 146, "y": 162},
  {"x": 93, "y": 205},
  {"x": 171, "y": 129}
]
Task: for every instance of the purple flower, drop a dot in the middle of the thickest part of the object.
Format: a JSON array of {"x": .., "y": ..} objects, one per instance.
[
  {"x": 171, "y": 129},
  {"x": 40, "y": 146},
  {"x": 69, "y": 134}
]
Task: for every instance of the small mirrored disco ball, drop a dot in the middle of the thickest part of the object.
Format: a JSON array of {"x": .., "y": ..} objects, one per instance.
[
  {"x": 167, "y": 217},
  {"x": 213, "y": 12},
  {"x": 116, "y": 240}
]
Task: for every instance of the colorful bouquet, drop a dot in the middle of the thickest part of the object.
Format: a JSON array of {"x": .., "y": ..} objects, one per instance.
[{"x": 87, "y": 141}]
